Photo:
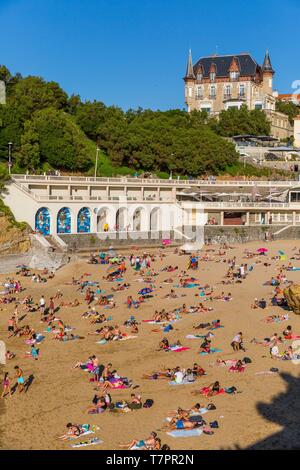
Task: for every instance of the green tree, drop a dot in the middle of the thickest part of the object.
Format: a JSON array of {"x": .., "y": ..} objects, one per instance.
[
  {"x": 236, "y": 121},
  {"x": 32, "y": 94},
  {"x": 289, "y": 108},
  {"x": 53, "y": 137}
]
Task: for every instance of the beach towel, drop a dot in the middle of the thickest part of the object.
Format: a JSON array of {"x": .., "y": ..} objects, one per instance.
[
  {"x": 205, "y": 391},
  {"x": 177, "y": 348},
  {"x": 102, "y": 341},
  {"x": 127, "y": 337},
  {"x": 185, "y": 432},
  {"x": 212, "y": 351},
  {"x": 195, "y": 336},
  {"x": 89, "y": 442},
  {"x": 182, "y": 383}
]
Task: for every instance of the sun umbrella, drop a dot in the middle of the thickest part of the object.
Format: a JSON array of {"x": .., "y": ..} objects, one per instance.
[
  {"x": 281, "y": 252},
  {"x": 262, "y": 250},
  {"x": 22, "y": 266}
]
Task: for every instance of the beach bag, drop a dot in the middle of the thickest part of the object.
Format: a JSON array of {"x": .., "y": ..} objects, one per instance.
[
  {"x": 247, "y": 360},
  {"x": 168, "y": 328},
  {"x": 214, "y": 424},
  {"x": 211, "y": 406},
  {"x": 148, "y": 403}
]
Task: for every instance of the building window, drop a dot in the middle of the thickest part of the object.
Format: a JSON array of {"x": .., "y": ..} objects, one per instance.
[
  {"x": 227, "y": 91},
  {"x": 234, "y": 75},
  {"x": 199, "y": 76},
  {"x": 258, "y": 106},
  {"x": 190, "y": 92},
  {"x": 199, "y": 92},
  {"x": 242, "y": 90},
  {"x": 212, "y": 76},
  {"x": 212, "y": 91},
  {"x": 207, "y": 109}
]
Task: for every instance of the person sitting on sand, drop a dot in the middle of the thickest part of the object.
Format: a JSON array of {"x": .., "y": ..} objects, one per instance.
[
  {"x": 205, "y": 346},
  {"x": 164, "y": 344},
  {"x": 99, "y": 405},
  {"x": 237, "y": 342},
  {"x": 197, "y": 370}
]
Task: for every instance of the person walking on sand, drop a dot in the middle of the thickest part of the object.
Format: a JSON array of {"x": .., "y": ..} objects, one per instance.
[
  {"x": 42, "y": 305},
  {"x": 6, "y": 386},
  {"x": 20, "y": 379}
]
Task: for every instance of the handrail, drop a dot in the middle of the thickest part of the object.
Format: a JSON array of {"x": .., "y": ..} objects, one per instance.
[{"x": 145, "y": 181}]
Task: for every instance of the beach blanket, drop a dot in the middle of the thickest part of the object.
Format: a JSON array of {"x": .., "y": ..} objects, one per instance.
[
  {"x": 196, "y": 336},
  {"x": 125, "y": 338},
  {"x": 212, "y": 351},
  {"x": 185, "y": 432},
  {"x": 39, "y": 339},
  {"x": 89, "y": 442},
  {"x": 177, "y": 348},
  {"x": 184, "y": 382},
  {"x": 205, "y": 391}
]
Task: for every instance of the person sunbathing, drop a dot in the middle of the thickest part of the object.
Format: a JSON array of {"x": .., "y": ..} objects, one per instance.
[
  {"x": 76, "y": 303},
  {"x": 145, "y": 444},
  {"x": 211, "y": 390},
  {"x": 161, "y": 374},
  {"x": 73, "y": 432}
]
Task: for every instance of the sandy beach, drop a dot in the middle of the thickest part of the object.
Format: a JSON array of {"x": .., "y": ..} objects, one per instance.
[{"x": 264, "y": 414}]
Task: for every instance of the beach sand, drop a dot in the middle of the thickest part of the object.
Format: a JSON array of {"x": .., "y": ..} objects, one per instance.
[{"x": 266, "y": 412}]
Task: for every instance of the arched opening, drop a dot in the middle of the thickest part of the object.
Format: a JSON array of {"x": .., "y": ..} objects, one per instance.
[
  {"x": 138, "y": 220},
  {"x": 121, "y": 219},
  {"x": 155, "y": 219},
  {"x": 102, "y": 220},
  {"x": 64, "y": 220},
  {"x": 42, "y": 221},
  {"x": 84, "y": 220}
]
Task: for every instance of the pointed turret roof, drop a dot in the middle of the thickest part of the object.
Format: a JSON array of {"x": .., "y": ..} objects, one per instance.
[
  {"x": 267, "y": 66},
  {"x": 189, "y": 69}
]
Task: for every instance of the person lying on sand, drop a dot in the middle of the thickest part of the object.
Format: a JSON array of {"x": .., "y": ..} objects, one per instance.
[
  {"x": 73, "y": 431},
  {"x": 213, "y": 389},
  {"x": 146, "y": 444},
  {"x": 76, "y": 303}
]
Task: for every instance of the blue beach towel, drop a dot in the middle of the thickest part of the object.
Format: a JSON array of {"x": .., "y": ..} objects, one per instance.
[{"x": 185, "y": 433}]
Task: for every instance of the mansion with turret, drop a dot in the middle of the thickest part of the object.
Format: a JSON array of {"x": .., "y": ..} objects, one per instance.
[{"x": 221, "y": 82}]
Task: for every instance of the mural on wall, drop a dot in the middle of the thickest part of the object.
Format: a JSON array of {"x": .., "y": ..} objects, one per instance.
[
  {"x": 64, "y": 220},
  {"x": 42, "y": 221},
  {"x": 84, "y": 220}
]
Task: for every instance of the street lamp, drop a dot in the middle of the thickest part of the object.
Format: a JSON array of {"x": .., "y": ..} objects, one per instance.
[
  {"x": 9, "y": 156},
  {"x": 96, "y": 162}
]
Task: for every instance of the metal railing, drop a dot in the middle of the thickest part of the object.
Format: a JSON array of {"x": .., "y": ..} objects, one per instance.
[{"x": 152, "y": 182}]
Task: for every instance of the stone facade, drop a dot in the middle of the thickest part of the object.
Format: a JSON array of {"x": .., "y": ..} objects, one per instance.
[
  {"x": 219, "y": 83},
  {"x": 2, "y": 92},
  {"x": 297, "y": 131}
]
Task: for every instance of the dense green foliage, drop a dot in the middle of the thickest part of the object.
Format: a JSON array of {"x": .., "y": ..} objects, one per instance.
[
  {"x": 242, "y": 121},
  {"x": 50, "y": 130},
  {"x": 290, "y": 109}
]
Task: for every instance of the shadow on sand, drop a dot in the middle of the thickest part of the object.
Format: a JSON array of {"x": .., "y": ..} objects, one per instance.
[{"x": 285, "y": 411}]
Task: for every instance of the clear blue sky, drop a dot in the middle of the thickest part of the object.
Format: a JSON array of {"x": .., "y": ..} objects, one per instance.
[{"x": 133, "y": 52}]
